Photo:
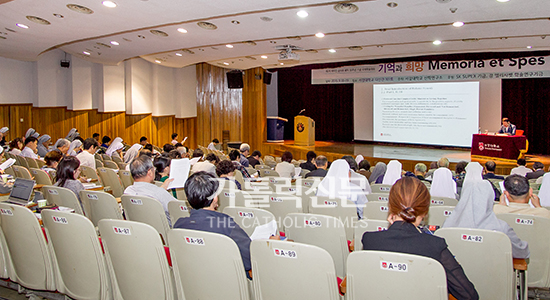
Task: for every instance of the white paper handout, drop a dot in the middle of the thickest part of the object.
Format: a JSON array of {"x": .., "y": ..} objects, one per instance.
[
  {"x": 193, "y": 161},
  {"x": 7, "y": 164},
  {"x": 179, "y": 171},
  {"x": 263, "y": 232}
]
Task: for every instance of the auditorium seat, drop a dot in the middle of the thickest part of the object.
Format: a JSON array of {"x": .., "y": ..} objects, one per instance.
[
  {"x": 438, "y": 214},
  {"x": 281, "y": 205},
  {"x": 376, "y": 210},
  {"x": 378, "y": 197},
  {"x": 61, "y": 196},
  {"x": 98, "y": 163},
  {"x": 483, "y": 254},
  {"x": 110, "y": 179},
  {"x": 90, "y": 173},
  {"x": 249, "y": 218},
  {"x": 100, "y": 205},
  {"x": 310, "y": 183},
  {"x": 533, "y": 230},
  {"x": 292, "y": 271},
  {"x": 201, "y": 271},
  {"x": 10, "y": 171},
  {"x": 395, "y": 276},
  {"x": 268, "y": 173},
  {"x": 178, "y": 209},
  {"x": 21, "y": 161},
  {"x": 116, "y": 159},
  {"x": 239, "y": 177},
  {"x": 136, "y": 260},
  {"x": 232, "y": 198},
  {"x": 22, "y": 172},
  {"x": 260, "y": 167},
  {"x": 380, "y": 188},
  {"x": 126, "y": 178},
  {"x": 73, "y": 240},
  {"x": 322, "y": 231},
  {"x": 31, "y": 162},
  {"x": 146, "y": 210},
  {"x": 336, "y": 207},
  {"x": 365, "y": 225},
  {"x": 442, "y": 201},
  {"x": 277, "y": 183},
  {"x": 40, "y": 163},
  {"x": 27, "y": 248},
  {"x": 180, "y": 194},
  {"x": 106, "y": 157},
  {"x": 41, "y": 177},
  {"x": 110, "y": 164}
]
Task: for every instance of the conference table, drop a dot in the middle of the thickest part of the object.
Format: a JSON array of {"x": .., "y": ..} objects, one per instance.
[{"x": 498, "y": 146}]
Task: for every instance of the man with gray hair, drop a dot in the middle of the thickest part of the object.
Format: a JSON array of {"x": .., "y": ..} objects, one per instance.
[
  {"x": 62, "y": 145},
  {"x": 420, "y": 170},
  {"x": 245, "y": 151},
  {"x": 519, "y": 194},
  {"x": 321, "y": 171},
  {"x": 143, "y": 172},
  {"x": 443, "y": 163}
]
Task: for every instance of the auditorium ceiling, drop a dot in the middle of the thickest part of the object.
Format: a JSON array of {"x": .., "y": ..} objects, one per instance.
[{"x": 244, "y": 34}]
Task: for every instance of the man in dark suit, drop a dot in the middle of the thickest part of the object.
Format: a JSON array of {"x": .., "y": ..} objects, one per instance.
[
  {"x": 254, "y": 158},
  {"x": 507, "y": 127},
  {"x": 310, "y": 163},
  {"x": 321, "y": 171},
  {"x": 538, "y": 171},
  {"x": 490, "y": 168}
]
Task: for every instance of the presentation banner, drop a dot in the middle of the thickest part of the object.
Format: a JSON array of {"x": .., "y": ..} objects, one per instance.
[{"x": 436, "y": 70}]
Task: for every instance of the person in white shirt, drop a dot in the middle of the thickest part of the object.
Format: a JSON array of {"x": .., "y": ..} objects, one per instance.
[
  {"x": 521, "y": 169},
  {"x": 214, "y": 144},
  {"x": 86, "y": 157},
  {"x": 285, "y": 168},
  {"x": 208, "y": 165},
  {"x": 174, "y": 138},
  {"x": 31, "y": 147}
]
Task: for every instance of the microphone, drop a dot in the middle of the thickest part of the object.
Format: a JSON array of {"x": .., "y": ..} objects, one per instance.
[{"x": 302, "y": 111}]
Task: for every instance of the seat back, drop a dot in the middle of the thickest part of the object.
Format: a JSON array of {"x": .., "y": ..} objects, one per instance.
[
  {"x": 380, "y": 188},
  {"x": 11, "y": 171},
  {"x": 278, "y": 266},
  {"x": 482, "y": 254},
  {"x": 233, "y": 198},
  {"x": 322, "y": 231},
  {"x": 442, "y": 201},
  {"x": 438, "y": 214},
  {"x": 62, "y": 197},
  {"x": 31, "y": 163},
  {"x": 99, "y": 205},
  {"x": 180, "y": 194},
  {"x": 41, "y": 177},
  {"x": 239, "y": 177},
  {"x": 260, "y": 166},
  {"x": 22, "y": 161},
  {"x": 72, "y": 239},
  {"x": 378, "y": 197},
  {"x": 89, "y": 172},
  {"x": 190, "y": 249},
  {"x": 22, "y": 172},
  {"x": 365, "y": 225},
  {"x": 249, "y": 218},
  {"x": 98, "y": 163},
  {"x": 344, "y": 210},
  {"x": 40, "y": 163},
  {"x": 268, "y": 173},
  {"x": 376, "y": 210},
  {"x": 136, "y": 261},
  {"x": 110, "y": 178},
  {"x": 126, "y": 178},
  {"x": 281, "y": 205},
  {"x": 146, "y": 210},
  {"x": 178, "y": 209},
  {"x": 26, "y": 245},
  {"x": 110, "y": 164},
  {"x": 411, "y": 276},
  {"x": 106, "y": 157},
  {"x": 116, "y": 159},
  {"x": 533, "y": 230}
]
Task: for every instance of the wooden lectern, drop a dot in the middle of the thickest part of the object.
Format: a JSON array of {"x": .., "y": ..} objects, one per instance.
[{"x": 304, "y": 131}]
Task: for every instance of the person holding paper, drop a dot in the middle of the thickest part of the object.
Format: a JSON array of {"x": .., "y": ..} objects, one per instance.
[
  {"x": 143, "y": 172},
  {"x": 201, "y": 190},
  {"x": 518, "y": 194},
  {"x": 4, "y": 187}
]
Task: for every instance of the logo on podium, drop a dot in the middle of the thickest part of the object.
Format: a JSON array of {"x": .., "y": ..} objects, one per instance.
[
  {"x": 300, "y": 127},
  {"x": 481, "y": 146}
]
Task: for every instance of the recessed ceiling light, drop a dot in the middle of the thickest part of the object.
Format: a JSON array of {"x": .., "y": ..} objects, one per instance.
[
  {"x": 437, "y": 42},
  {"x": 207, "y": 25},
  {"x": 182, "y": 30},
  {"x": 282, "y": 64},
  {"x": 22, "y": 25},
  {"x": 391, "y": 4},
  {"x": 226, "y": 63},
  {"x": 235, "y": 22},
  {"x": 264, "y": 56},
  {"x": 529, "y": 47},
  {"x": 58, "y": 16},
  {"x": 86, "y": 52},
  {"x": 179, "y": 54},
  {"x": 80, "y": 9},
  {"x": 503, "y": 0},
  {"x": 229, "y": 46},
  {"x": 302, "y": 14},
  {"x": 266, "y": 19},
  {"x": 320, "y": 35},
  {"x": 157, "y": 61},
  {"x": 38, "y": 20},
  {"x": 458, "y": 24},
  {"x": 114, "y": 43},
  {"x": 346, "y": 8},
  {"x": 109, "y": 3},
  {"x": 331, "y": 50}
]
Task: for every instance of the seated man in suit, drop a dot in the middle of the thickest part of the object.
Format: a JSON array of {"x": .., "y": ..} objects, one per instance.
[
  {"x": 490, "y": 168},
  {"x": 507, "y": 127},
  {"x": 310, "y": 163},
  {"x": 538, "y": 171},
  {"x": 321, "y": 171}
]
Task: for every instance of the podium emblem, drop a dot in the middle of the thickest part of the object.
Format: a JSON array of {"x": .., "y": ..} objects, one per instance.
[
  {"x": 481, "y": 146},
  {"x": 300, "y": 127}
]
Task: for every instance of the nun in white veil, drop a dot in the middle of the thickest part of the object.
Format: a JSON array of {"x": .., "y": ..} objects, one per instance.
[
  {"x": 132, "y": 153},
  {"x": 359, "y": 158},
  {"x": 115, "y": 146},
  {"x": 474, "y": 171},
  {"x": 443, "y": 184},
  {"x": 475, "y": 210},
  {"x": 393, "y": 172},
  {"x": 544, "y": 191},
  {"x": 336, "y": 184},
  {"x": 74, "y": 147}
]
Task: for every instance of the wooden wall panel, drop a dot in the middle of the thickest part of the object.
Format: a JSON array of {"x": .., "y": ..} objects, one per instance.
[
  {"x": 187, "y": 128},
  {"x": 254, "y": 113}
]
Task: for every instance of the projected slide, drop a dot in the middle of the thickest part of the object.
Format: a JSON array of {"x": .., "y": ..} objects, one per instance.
[{"x": 426, "y": 113}]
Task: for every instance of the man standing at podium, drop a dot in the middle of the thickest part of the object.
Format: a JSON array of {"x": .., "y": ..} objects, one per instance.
[{"x": 507, "y": 127}]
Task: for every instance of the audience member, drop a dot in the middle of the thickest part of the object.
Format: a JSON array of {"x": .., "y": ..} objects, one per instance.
[
  {"x": 86, "y": 157},
  {"x": 174, "y": 139},
  {"x": 162, "y": 170},
  {"x": 214, "y": 145},
  {"x": 132, "y": 153},
  {"x": 3, "y": 134},
  {"x": 310, "y": 163},
  {"x": 245, "y": 151},
  {"x": 443, "y": 184},
  {"x": 351, "y": 162},
  {"x": 393, "y": 172},
  {"x": 143, "y": 173},
  {"x": 254, "y": 158},
  {"x": 115, "y": 149},
  {"x": 538, "y": 171},
  {"x": 443, "y": 163},
  {"x": 507, "y": 127},
  {"x": 226, "y": 170},
  {"x": 143, "y": 141},
  {"x": 62, "y": 145},
  {"x": 4, "y": 187},
  {"x": 490, "y": 168},
  {"x": 285, "y": 168},
  {"x": 105, "y": 142},
  {"x": 364, "y": 168},
  {"x": 95, "y": 136},
  {"x": 31, "y": 144},
  {"x": 68, "y": 171},
  {"x": 149, "y": 147},
  {"x": 475, "y": 210},
  {"x": 420, "y": 170},
  {"x": 460, "y": 170},
  {"x": 378, "y": 173},
  {"x": 201, "y": 190},
  {"x": 198, "y": 153},
  {"x": 31, "y": 132},
  {"x": 75, "y": 147},
  {"x": 518, "y": 194},
  {"x": 321, "y": 171},
  {"x": 167, "y": 148},
  {"x": 235, "y": 157},
  {"x": 544, "y": 191},
  {"x": 521, "y": 169},
  {"x": 208, "y": 165},
  {"x": 43, "y": 144},
  {"x": 174, "y": 154},
  {"x": 409, "y": 202},
  {"x": 52, "y": 159},
  {"x": 73, "y": 133},
  {"x": 433, "y": 167},
  {"x": 182, "y": 150},
  {"x": 16, "y": 145}
]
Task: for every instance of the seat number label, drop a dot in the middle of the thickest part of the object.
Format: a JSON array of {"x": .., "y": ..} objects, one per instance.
[
  {"x": 7, "y": 212},
  {"x": 437, "y": 202},
  {"x": 331, "y": 203},
  {"x": 244, "y": 214},
  {"x": 53, "y": 192},
  {"x": 122, "y": 230},
  {"x": 194, "y": 241},
  {"x": 183, "y": 208},
  {"x": 384, "y": 208},
  {"x": 525, "y": 221},
  {"x": 285, "y": 253},
  {"x": 276, "y": 199},
  {"x": 313, "y": 223},
  {"x": 447, "y": 213},
  {"x": 93, "y": 197},
  {"x": 472, "y": 238},
  {"x": 60, "y": 220},
  {"x": 136, "y": 201},
  {"x": 392, "y": 266}
]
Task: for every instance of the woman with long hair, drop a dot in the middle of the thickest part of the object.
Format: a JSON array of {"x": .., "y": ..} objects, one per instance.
[{"x": 68, "y": 171}]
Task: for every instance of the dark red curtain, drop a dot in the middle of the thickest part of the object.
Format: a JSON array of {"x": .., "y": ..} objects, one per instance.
[{"x": 526, "y": 102}]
